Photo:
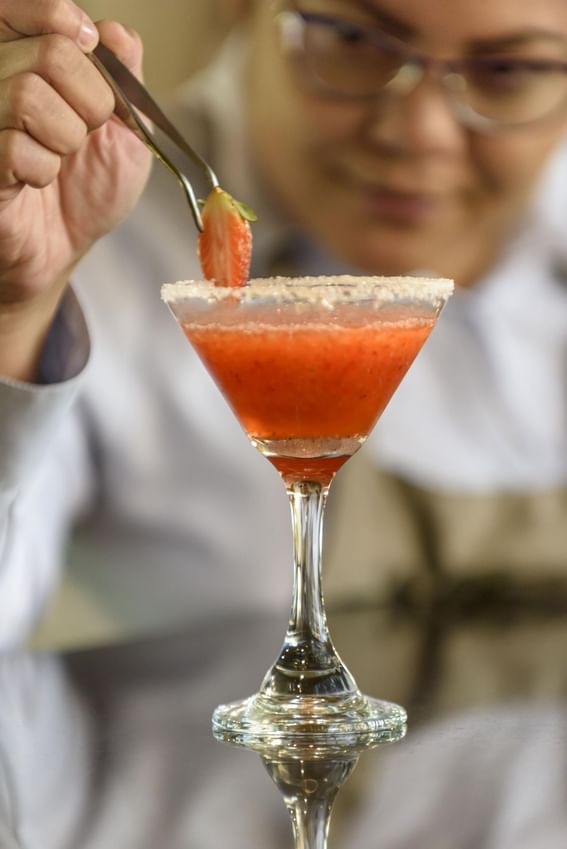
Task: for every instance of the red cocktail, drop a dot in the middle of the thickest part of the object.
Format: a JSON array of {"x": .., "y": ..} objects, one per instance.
[
  {"x": 308, "y": 366},
  {"x": 309, "y": 391}
]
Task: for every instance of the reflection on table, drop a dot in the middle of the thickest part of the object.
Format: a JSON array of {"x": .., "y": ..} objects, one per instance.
[{"x": 112, "y": 747}]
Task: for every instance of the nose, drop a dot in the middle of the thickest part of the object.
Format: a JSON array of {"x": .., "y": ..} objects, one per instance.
[{"x": 418, "y": 122}]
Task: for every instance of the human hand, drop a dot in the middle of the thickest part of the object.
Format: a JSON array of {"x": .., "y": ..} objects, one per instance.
[{"x": 69, "y": 170}]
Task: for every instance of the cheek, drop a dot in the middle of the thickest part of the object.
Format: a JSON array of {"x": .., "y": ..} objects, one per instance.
[
  {"x": 509, "y": 165},
  {"x": 327, "y": 122}
]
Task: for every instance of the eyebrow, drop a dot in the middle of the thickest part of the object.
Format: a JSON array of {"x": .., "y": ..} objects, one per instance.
[
  {"x": 391, "y": 23},
  {"x": 404, "y": 30},
  {"x": 519, "y": 39}
]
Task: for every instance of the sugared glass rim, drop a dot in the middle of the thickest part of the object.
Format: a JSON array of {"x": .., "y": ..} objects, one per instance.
[{"x": 330, "y": 290}]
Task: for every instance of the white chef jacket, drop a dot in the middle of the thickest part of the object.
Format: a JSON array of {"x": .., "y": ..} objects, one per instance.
[{"x": 127, "y": 468}]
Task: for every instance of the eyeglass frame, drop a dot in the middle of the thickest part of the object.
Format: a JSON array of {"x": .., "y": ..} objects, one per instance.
[{"x": 411, "y": 72}]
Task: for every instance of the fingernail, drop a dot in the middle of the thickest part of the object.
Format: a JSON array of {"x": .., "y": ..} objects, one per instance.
[{"x": 88, "y": 34}]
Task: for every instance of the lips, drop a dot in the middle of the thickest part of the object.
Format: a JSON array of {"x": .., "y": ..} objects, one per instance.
[
  {"x": 395, "y": 203},
  {"x": 400, "y": 206}
]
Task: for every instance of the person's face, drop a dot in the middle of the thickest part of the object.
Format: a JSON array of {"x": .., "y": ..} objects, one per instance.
[{"x": 398, "y": 185}]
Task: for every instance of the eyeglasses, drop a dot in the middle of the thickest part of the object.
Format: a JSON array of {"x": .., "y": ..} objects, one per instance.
[{"x": 486, "y": 93}]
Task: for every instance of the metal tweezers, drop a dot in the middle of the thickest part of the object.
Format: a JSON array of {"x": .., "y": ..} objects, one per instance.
[{"x": 130, "y": 96}]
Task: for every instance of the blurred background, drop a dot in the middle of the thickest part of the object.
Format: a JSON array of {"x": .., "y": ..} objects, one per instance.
[{"x": 179, "y": 35}]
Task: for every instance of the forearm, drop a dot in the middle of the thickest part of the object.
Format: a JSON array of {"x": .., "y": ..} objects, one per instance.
[
  {"x": 43, "y": 472},
  {"x": 29, "y": 569},
  {"x": 24, "y": 328}
]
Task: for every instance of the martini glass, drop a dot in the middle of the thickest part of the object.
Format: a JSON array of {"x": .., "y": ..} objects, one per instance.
[{"x": 307, "y": 366}]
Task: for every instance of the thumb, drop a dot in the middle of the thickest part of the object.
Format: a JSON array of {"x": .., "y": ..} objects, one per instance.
[{"x": 124, "y": 42}]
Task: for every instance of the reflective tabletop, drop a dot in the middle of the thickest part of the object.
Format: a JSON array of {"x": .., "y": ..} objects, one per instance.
[{"x": 112, "y": 747}]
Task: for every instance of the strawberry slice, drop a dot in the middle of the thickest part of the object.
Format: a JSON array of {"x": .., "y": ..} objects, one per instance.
[{"x": 225, "y": 245}]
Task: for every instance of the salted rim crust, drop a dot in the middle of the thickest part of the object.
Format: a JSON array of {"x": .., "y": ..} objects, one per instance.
[{"x": 316, "y": 290}]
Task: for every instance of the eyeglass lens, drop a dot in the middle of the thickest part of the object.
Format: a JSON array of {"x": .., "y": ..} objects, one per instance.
[{"x": 351, "y": 60}]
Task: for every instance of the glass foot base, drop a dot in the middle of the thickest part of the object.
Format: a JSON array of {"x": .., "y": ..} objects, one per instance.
[{"x": 313, "y": 726}]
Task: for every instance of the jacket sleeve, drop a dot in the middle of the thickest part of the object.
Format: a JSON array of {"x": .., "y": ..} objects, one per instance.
[{"x": 38, "y": 491}]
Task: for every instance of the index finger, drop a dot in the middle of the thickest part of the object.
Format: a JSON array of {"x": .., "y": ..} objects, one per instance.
[{"x": 21, "y": 18}]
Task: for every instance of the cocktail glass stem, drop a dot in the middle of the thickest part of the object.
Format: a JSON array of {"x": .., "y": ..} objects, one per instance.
[
  {"x": 308, "y": 702},
  {"x": 308, "y": 663}
]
